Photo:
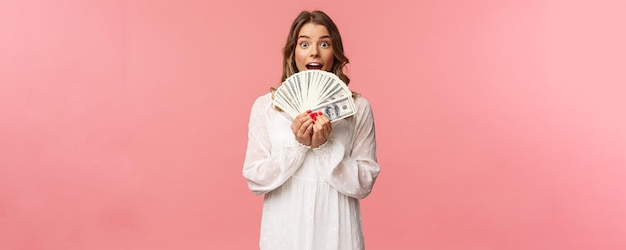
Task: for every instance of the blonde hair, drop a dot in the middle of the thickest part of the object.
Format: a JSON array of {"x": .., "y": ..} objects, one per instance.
[
  {"x": 316, "y": 17},
  {"x": 321, "y": 18}
]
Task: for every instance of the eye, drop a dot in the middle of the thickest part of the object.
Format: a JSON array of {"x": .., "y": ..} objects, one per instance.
[
  {"x": 304, "y": 45},
  {"x": 324, "y": 44}
]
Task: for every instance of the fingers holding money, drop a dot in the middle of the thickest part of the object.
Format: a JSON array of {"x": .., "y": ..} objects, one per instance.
[
  {"x": 302, "y": 128},
  {"x": 321, "y": 130},
  {"x": 311, "y": 128}
]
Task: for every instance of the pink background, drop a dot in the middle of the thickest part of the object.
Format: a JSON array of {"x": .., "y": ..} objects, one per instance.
[{"x": 501, "y": 124}]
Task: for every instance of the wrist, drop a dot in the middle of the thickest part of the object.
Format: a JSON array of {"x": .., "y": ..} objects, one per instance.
[
  {"x": 321, "y": 145},
  {"x": 302, "y": 145}
]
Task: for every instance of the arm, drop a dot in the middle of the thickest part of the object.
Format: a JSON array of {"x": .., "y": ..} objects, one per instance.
[
  {"x": 264, "y": 170},
  {"x": 352, "y": 174}
]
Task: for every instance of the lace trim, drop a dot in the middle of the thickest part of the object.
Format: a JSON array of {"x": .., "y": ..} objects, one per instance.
[
  {"x": 302, "y": 145},
  {"x": 323, "y": 146}
]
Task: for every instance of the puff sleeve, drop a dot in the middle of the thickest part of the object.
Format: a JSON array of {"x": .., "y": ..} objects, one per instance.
[
  {"x": 266, "y": 168},
  {"x": 352, "y": 173}
]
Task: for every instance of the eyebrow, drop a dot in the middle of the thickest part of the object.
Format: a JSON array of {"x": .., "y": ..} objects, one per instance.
[{"x": 310, "y": 38}]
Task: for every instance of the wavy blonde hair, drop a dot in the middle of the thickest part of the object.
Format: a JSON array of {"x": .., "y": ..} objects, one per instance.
[{"x": 320, "y": 18}]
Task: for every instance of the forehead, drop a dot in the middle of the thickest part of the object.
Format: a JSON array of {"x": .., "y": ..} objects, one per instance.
[{"x": 313, "y": 30}]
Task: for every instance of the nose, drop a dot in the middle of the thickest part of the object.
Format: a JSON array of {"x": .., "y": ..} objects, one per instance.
[{"x": 314, "y": 51}]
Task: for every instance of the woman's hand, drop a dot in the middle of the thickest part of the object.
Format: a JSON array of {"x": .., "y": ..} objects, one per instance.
[
  {"x": 302, "y": 127},
  {"x": 321, "y": 130}
]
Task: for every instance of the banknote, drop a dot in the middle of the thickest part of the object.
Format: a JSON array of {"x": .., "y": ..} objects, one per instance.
[
  {"x": 337, "y": 109},
  {"x": 315, "y": 90}
]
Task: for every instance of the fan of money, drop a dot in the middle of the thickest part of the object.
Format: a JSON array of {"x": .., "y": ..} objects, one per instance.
[{"x": 317, "y": 91}]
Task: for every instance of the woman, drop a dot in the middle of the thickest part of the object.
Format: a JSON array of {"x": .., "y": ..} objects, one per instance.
[{"x": 312, "y": 173}]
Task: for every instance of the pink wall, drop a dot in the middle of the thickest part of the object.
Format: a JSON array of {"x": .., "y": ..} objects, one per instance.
[{"x": 501, "y": 124}]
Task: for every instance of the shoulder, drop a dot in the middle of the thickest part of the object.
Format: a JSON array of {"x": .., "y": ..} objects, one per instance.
[
  {"x": 362, "y": 104},
  {"x": 263, "y": 101},
  {"x": 363, "y": 109}
]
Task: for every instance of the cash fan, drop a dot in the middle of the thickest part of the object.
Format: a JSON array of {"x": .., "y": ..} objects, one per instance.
[{"x": 315, "y": 90}]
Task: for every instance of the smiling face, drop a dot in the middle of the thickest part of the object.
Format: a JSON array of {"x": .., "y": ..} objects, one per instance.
[{"x": 314, "y": 48}]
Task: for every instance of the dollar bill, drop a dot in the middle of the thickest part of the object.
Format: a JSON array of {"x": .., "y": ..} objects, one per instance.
[
  {"x": 315, "y": 90},
  {"x": 337, "y": 109}
]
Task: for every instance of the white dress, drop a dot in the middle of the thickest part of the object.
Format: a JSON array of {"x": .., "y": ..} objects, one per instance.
[{"x": 311, "y": 195}]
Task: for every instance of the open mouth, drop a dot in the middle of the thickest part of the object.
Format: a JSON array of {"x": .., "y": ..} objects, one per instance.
[{"x": 317, "y": 66}]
